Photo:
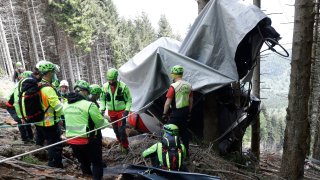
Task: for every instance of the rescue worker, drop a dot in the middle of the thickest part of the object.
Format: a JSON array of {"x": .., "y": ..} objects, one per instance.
[
  {"x": 55, "y": 85},
  {"x": 95, "y": 92},
  {"x": 17, "y": 72},
  {"x": 48, "y": 128},
  {"x": 63, "y": 90},
  {"x": 117, "y": 100},
  {"x": 14, "y": 110},
  {"x": 82, "y": 116},
  {"x": 168, "y": 154},
  {"x": 180, "y": 99}
]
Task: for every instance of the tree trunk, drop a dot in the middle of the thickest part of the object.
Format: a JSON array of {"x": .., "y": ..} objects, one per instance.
[
  {"x": 38, "y": 31},
  {"x": 16, "y": 54},
  {"x": 314, "y": 100},
  {"x": 106, "y": 53},
  {"x": 76, "y": 62},
  {"x": 93, "y": 71},
  {"x": 3, "y": 68},
  {"x": 5, "y": 46},
  {"x": 298, "y": 128},
  {"x": 69, "y": 63},
  {"x": 316, "y": 145},
  {"x": 100, "y": 65},
  {"x": 57, "y": 41},
  {"x": 33, "y": 40},
  {"x": 255, "y": 133},
  {"x": 18, "y": 38}
]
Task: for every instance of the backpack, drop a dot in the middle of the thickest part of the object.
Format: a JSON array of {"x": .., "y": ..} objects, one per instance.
[
  {"x": 30, "y": 100},
  {"x": 171, "y": 151}
]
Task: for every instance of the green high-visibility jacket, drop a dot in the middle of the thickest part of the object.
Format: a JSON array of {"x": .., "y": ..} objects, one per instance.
[
  {"x": 49, "y": 98},
  {"x": 157, "y": 148},
  {"x": 117, "y": 101},
  {"x": 77, "y": 116},
  {"x": 15, "y": 94},
  {"x": 182, "y": 90}
]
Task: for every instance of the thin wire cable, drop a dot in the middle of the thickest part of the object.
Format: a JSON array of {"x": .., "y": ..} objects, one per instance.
[
  {"x": 24, "y": 124},
  {"x": 63, "y": 141}
]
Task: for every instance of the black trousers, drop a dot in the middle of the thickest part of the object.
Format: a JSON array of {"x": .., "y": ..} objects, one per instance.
[
  {"x": 181, "y": 122},
  {"x": 88, "y": 154},
  {"x": 52, "y": 135},
  {"x": 25, "y": 130}
]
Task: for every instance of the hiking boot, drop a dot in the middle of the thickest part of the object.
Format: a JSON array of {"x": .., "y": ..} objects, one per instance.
[
  {"x": 29, "y": 141},
  {"x": 55, "y": 165},
  {"x": 125, "y": 150}
]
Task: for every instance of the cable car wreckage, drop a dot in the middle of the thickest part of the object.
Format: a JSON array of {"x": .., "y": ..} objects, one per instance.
[{"x": 219, "y": 50}]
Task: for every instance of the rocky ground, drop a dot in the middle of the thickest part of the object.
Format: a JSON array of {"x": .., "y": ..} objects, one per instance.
[{"x": 202, "y": 160}]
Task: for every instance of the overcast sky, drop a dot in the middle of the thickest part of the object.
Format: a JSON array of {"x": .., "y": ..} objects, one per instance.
[{"x": 182, "y": 13}]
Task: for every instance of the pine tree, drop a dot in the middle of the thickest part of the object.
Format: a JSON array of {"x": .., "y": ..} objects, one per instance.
[
  {"x": 164, "y": 27},
  {"x": 296, "y": 140}
]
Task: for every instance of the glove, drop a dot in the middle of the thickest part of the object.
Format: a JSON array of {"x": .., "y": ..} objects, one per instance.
[
  {"x": 165, "y": 117},
  {"x": 102, "y": 112},
  {"x": 125, "y": 114}
]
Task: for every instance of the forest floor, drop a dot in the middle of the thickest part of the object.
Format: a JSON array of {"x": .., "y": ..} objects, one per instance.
[{"x": 202, "y": 160}]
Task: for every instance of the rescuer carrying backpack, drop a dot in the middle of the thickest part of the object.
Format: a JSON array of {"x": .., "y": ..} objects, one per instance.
[
  {"x": 170, "y": 152},
  {"x": 30, "y": 99}
]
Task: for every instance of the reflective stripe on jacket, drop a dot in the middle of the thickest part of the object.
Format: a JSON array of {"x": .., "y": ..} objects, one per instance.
[
  {"x": 157, "y": 148},
  {"x": 77, "y": 117},
  {"x": 182, "y": 90},
  {"x": 49, "y": 98},
  {"x": 117, "y": 101},
  {"x": 16, "y": 101}
]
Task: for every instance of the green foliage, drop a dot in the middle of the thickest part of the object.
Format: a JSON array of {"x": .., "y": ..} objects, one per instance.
[
  {"x": 31, "y": 159},
  {"x": 165, "y": 29},
  {"x": 75, "y": 17},
  {"x": 97, "y": 21},
  {"x": 131, "y": 37},
  {"x": 247, "y": 137},
  {"x": 144, "y": 33},
  {"x": 272, "y": 124}
]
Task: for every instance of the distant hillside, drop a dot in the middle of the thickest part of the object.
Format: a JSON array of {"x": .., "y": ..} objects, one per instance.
[{"x": 275, "y": 74}]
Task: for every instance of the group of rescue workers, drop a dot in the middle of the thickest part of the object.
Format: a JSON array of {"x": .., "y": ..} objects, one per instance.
[{"x": 82, "y": 117}]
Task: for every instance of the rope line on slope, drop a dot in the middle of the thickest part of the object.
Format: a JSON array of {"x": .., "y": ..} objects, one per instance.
[{"x": 63, "y": 141}]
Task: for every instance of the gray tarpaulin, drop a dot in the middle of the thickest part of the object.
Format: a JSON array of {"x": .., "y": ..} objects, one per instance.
[
  {"x": 149, "y": 78},
  {"x": 217, "y": 31},
  {"x": 207, "y": 53}
]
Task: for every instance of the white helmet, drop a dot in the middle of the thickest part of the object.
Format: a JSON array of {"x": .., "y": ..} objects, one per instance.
[{"x": 64, "y": 83}]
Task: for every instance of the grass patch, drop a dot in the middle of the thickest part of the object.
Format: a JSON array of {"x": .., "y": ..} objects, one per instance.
[{"x": 31, "y": 159}]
